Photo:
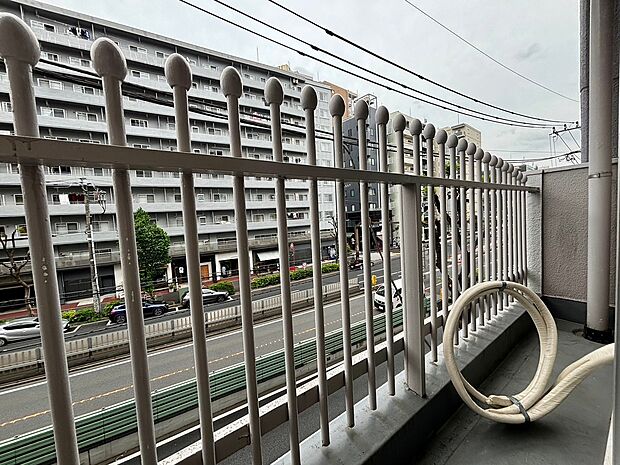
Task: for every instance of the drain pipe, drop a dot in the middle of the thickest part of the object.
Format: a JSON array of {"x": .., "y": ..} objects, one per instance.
[{"x": 599, "y": 173}]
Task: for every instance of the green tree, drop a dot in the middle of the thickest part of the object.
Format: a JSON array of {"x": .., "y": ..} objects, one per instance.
[{"x": 153, "y": 249}]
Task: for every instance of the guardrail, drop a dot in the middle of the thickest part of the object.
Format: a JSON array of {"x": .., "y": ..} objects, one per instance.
[
  {"x": 96, "y": 428},
  {"x": 17, "y": 364}
]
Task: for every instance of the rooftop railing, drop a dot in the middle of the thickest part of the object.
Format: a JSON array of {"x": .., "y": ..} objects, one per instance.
[{"x": 481, "y": 205}]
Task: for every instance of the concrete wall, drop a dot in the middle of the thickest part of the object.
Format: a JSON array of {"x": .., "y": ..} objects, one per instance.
[{"x": 557, "y": 232}]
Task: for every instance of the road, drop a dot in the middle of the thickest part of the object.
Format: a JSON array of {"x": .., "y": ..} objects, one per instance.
[{"x": 26, "y": 407}]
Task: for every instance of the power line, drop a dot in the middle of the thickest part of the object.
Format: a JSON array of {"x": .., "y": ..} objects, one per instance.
[
  {"x": 405, "y": 69},
  {"x": 461, "y": 38},
  {"x": 497, "y": 119}
]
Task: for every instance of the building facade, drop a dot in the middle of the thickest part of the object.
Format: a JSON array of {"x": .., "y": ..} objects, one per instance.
[{"x": 72, "y": 111}]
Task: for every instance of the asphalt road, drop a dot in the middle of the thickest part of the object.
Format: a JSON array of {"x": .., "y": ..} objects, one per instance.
[{"x": 26, "y": 406}]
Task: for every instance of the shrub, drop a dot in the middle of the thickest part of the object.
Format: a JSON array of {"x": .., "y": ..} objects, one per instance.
[
  {"x": 107, "y": 308},
  {"x": 82, "y": 315},
  {"x": 329, "y": 267},
  {"x": 225, "y": 286},
  {"x": 264, "y": 281}
]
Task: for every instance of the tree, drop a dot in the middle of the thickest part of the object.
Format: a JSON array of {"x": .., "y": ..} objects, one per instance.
[
  {"x": 15, "y": 264},
  {"x": 153, "y": 249}
]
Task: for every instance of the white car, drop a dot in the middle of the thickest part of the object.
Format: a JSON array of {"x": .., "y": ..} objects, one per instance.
[
  {"x": 379, "y": 297},
  {"x": 209, "y": 296},
  {"x": 23, "y": 328}
]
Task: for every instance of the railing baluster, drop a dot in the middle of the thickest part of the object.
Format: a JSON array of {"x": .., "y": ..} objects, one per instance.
[
  {"x": 441, "y": 139},
  {"x": 428, "y": 135},
  {"x": 309, "y": 102},
  {"x": 179, "y": 77},
  {"x": 479, "y": 209},
  {"x": 487, "y": 236},
  {"x": 494, "y": 233},
  {"x": 361, "y": 114},
  {"x": 471, "y": 150},
  {"x": 511, "y": 230},
  {"x": 382, "y": 116},
  {"x": 336, "y": 109},
  {"x": 109, "y": 63},
  {"x": 500, "y": 229},
  {"x": 451, "y": 143},
  {"x": 20, "y": 50},
  {"x": 411, "y": 259},
  {"x": 524, "y": 230},
  {"x": 461, "y": 149},
  {"x": 232, "y": 90},
  {"x": 517, "y": 227},
  {"x": 505, "y": 229}
]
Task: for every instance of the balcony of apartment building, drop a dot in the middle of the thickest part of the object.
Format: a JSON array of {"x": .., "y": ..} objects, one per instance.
[{"x": 380, "y": 389}]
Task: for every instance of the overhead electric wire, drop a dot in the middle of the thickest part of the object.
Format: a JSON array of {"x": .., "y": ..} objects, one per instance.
[
  {"x": 378, "y": 56},
  {"x": 497, "y": 119},
  {"x": 463, "y": 39}
]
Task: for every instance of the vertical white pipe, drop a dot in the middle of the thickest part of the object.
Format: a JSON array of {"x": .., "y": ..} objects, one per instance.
[
  {"x": 451, "y": 143},
  {"x": 232, "y": 90},
  {"x": 500, "y": 229},
  {"x": 471, "y": 150},
  {"x": 461, "y": 149},
  {"x": 109, "y": 63},
  {"x": 479, "y": 209},
  {"x": 511, "y": 229},
  {"x": 599, "y": 169},
  {"x": 361, "y": 115},
  {"x": 309, "y": 102},
  {"x": 382, "y": 118},
  {"x": 486, "y": 276},
  {"x": 274, "y": 96},
  {"x": 411, "y": 257},
  {"x": 20, "y": 50},
  {"x": 336, "y": 109},
  {"x": 505, "y": 243},
  {"x": 524, "y": 229},
  {"x": 179, "y": 77},
  {"x": 428, "y": 134},
  {"x": 494, "y": 231},
  {"x": 519, "y": 259},
  {"x": 441, "y": 139}
]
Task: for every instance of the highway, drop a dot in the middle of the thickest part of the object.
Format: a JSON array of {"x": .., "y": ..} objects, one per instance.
[{"x": 26, "y": 406}]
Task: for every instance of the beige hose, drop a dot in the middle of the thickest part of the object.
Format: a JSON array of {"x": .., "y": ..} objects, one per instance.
[{"x": 536, "y": 400}]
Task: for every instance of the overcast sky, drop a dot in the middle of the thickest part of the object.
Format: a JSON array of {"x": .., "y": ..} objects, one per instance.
[{"x": 540, "y": 39}]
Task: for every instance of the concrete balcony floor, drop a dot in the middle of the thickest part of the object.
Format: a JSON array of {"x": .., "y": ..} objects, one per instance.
[{"x": 574, "y": 433}]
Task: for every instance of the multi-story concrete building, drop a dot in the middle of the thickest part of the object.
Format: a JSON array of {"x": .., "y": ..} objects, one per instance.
[
  {"x": 71, "y": 111},
  {"x": 468, "y": 132},
  {"x": 347, "y": 95}
]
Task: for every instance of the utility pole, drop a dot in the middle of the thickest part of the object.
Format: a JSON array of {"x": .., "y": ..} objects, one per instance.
[{"x": 92, "y": 255}]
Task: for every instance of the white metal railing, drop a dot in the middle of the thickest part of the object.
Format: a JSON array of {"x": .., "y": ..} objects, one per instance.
[{"x": 488, "y": 252}]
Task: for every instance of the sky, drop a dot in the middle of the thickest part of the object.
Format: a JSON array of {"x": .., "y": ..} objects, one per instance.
[{"x": 538, "y": 39}]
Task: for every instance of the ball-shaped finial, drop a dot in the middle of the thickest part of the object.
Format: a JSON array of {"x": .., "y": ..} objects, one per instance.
[
  {"x": 383, "y": 115},
  {"x": 108, "y": 59},
  {"x": 361, "y": 110},
  {"x": 441, "y": 136},
  {"x": 274, "y": 93},
  {"x": 452, "y": 141},
  {"x": 510, "y": 168},
  {"x": 462, "y": 145},
  {"x": 524, "y": 179},
  {"x": 336, "y": 105},
  {"x": 500, "y": 163},
  {"x": 493, "y": 161},
  {"x": 486, "y": 158},
  {"x": 178, "y": 72},
  {"x": 399, "y": 122},
  {"x": 17, "y": 41},
  {"x": 471, "y": 148},
  {"x": 415, "y": 127},
  {"x": 230, "y": 80},
  {"x": 519, "y": 176},
  {"x": 309, "y": 99},
  {"x": 429, "y": 131},
  {"x": 479, "y": 154},
  {"x": 505, "y": 166}
]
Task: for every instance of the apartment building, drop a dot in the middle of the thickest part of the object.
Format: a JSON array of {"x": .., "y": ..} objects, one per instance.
[{"x": 75, "y": 112}]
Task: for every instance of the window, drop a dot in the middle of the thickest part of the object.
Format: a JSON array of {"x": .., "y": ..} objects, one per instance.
[
  {"x": 139, "y": 123},
  {"x": 352, "y": 194},
  {"x": 79, "y": 32},
  {"x": 217, "y": 197},
  {"x": 196, "y": 151},
  {"x": 55, "y": 112},
  {"x": 144, "y": 174},
  {"x": 214, "y": 131},
  {"x": 215, "y": 89},
  {"x": 177, "y": 198},
  {"x": 213, "y": 68},
  {"x": 67, "y": 228},
  {"x": 79, "y": 62},
  {"x": 162, "y": 55},
  {"x": 258, "y": 218},
  {"x": 202, "y": 220},
  {"x": 179, "y": 221},
  {"x": 141, "y": 146},
  {"x": 195, "y": 129},
  {"x": 83, "y": 116},
  {"x": 98, "y": 171},
  {"x": 13, "y": 168},
  {"x": 222, "y": 219},
  {"x": 372, "y": 191},
  {"x": 39, "y": 25},
  {"x": 7, "y": 107},
  {"x": 84, "y": 89},
  {"x": 194, "y": 85},
  {"x": 146, "y": 198},
  {"x": 50, "y": 56},
  {"x": 57, "y": 85},
  {"x": 171, "y": 126},
  {"x": 200, "y": 197},
  {"x": 328, "y": 197},
  {"x": 216, "y": 152},
  {"x": 59, "y": 170},
  {"x": 136, "y": 49},
  {"x": 19, "y": 199},
  {"x": 139, "y": 74}
]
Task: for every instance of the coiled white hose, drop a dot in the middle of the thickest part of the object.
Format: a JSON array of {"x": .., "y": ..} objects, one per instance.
[{"x": 536, "y": 400}]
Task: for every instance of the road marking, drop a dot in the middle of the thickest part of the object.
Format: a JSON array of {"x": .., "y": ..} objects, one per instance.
[{"x": 167, "y": 375}]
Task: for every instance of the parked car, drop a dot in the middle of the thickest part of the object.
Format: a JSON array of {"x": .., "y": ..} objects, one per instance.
[
  {"x": 23, "y": 328},
  {"x": 119, "y": 313},
  {"x": 358, "y": 264},
  {"x": 379, "y": 297},
  {"x": 209, "y": 296}
]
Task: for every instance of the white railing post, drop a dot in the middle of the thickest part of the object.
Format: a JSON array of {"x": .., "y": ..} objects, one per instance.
[
  {"x": 382, "y": 116},
  {"x": 494, "y": 234},
  {"x": 274, "y": 96},
  {"x": 109, "y": 63},
  {"x": 487, "y": 233},
  {"x": 232, "y": 89},
  {"x": 309, "y": 102},
  {"x": 479, "y": 209},
  {"x": 428, "y": 134},
  {"x": 20, "y": 50},
  {"x": 511, "y": 229},
  {"x": 441, "y": 139},
  {"x": 471, "y": 150},
  {"x": 361, "y": 115},
  {"x": 505, "y": 243},
  {"x": 411, "y": 259},
  {"x": 500, "y": 228},
  {"x": 336, "y": 109},
  {"x": 461, "y": 148},
  {"x": 524, "y": 229},
  {"x": 516, "y": 225},
  {"x": 179, "y": 77},
  {"x": 452, "y": 143}
]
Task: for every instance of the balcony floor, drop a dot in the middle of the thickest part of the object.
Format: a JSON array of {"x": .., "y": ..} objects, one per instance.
[{"x": 574, "y": 433}]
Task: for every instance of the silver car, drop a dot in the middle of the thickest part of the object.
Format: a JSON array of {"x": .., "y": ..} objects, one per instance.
[{"x": 23, "y": 328}]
